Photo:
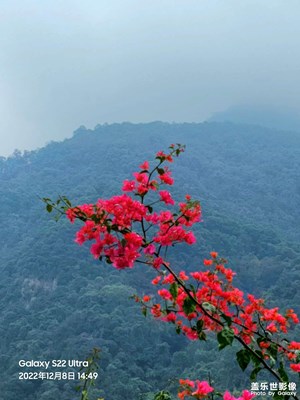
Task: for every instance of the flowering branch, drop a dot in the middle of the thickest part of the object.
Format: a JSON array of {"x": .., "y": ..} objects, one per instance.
[{"x": 119, "y": 229}]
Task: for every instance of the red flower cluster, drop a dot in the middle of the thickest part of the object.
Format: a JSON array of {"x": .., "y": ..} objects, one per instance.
[
  {"x": 216, "y": 302},
  {"x": 112, "y": 224},
  {"x": 196, "y": 389},
  {"x": 125, "y": 230},
  {"x": 201, "y": 389}
]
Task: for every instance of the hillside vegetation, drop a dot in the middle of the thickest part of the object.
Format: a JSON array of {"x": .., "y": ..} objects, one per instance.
[{"x": 57, "y": 303}]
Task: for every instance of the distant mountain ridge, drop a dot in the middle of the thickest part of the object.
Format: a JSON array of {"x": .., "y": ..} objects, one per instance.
[{"x": 270, "y": 117}]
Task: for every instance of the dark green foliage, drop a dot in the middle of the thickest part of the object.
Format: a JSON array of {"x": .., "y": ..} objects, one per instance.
[
  {"x": 174, "y": 290},
  {"x": 225, "y": 337},
  {"x": 243, "y": 358},
  {"x": 57, "y": 303},
  {"x": 163, "y": 396},
  {"x": 188, "y": 306},
  {"x": 282, "y": 372}
]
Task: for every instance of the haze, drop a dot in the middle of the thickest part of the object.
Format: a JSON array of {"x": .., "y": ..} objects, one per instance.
[{"x": 68, "y": 63}]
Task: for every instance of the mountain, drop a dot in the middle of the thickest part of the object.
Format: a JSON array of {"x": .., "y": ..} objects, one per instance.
[{"x": 58, "y": 303}]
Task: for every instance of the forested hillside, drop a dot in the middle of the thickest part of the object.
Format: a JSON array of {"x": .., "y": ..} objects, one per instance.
[{"x": 56, "y": 302}]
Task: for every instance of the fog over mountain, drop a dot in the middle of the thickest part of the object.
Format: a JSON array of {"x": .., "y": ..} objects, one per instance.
[{"x": 271, "y": 117}]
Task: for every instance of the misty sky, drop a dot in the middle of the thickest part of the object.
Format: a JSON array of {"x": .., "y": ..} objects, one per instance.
[{"x": 69, "y": 63}]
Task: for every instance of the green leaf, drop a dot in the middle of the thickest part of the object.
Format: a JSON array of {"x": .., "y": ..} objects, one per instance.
[
  {"x": 174, "y": 290},
  {"x": 201, "y": 335},
  {"x": 254, "y": 373},
  {"x": 192, "y": 289},
  {"x": 273, "y": 350},
  {"x": 150, "y": 209},
  {"x": 227, "y": 319},
  {"x": 161, "y": 171},
  {"x": 209, "y": 307},
  {"x": 163, "y": 396},
  {"x": 199, "y": 325},
  {"x": 178, "y": 330},
  {"x": 272, "y": 361},
  {"x": 144, "y": 311},
  {"x": 225, "y": 337},
  {"x": 255, "y": 360},
  {"x": 114, "y": 227},
  {"x": 49, "y": 208},
  {"x": 188, "y": 306},
  {"x": 282, "y": 372},
  {"x": 66, "y": 200},
  {"x": 243, "y": 358}
]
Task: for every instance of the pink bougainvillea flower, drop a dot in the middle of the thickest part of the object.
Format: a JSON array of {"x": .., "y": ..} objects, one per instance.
[
  {"x": 128, "y": 186},
  {"x": 145, "y": 165},
  {"x": 295, "y": 367},
  {"x": 166, "y": 197},
  {"x": 202, "y": 389}
]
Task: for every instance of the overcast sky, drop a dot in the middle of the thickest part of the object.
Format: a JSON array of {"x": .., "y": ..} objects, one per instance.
[{"x": 69, "y": 63}]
